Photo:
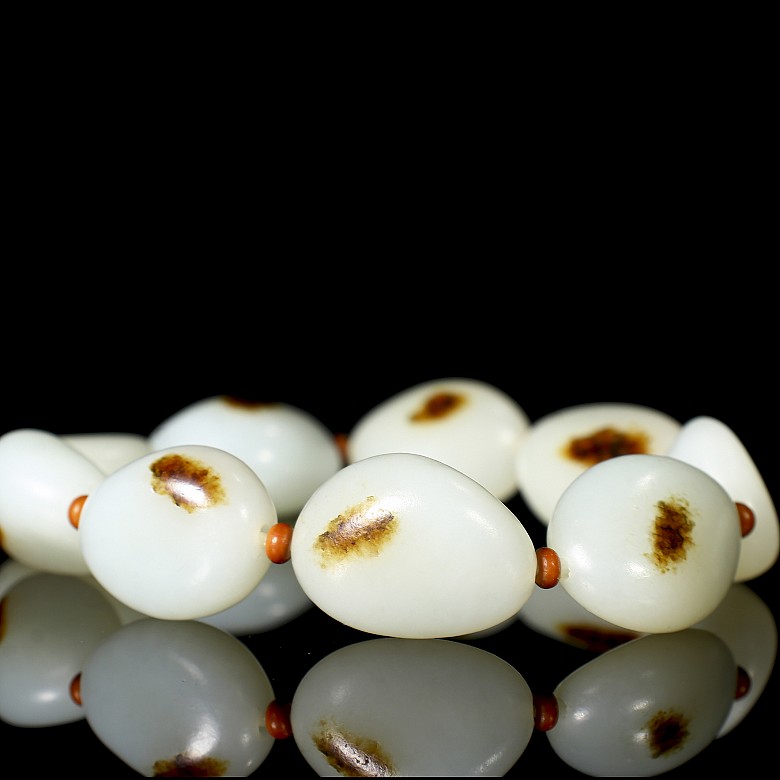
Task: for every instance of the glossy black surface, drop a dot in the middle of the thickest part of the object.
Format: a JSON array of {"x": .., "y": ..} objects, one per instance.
[{"x": 338, "y": 383}]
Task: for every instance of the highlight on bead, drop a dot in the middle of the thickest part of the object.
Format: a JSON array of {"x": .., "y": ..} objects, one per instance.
[
  {"x": 74, "y": 510},
  {"x": 278, "y": 543}
]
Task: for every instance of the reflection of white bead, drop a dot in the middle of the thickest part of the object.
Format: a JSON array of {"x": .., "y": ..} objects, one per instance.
[
  {"x": 472, "y": 711},
  {"x": 713, "y": 447},
  {"x": 645, "y": 707},
  {"x": 178, "y": 697},
  {"x": 290, "y": 450},
  {"x": 467, "y": 424},
  {"x": 406, "y": 546},
  {"x": 40, "y": 475},
  {"x": 545, "y": 467},
  {"x": 647, "y": 542},
  {"x": 108, "y": 451},
  {"x": 745, "y": 623},
  {"x": 276, "y": 600},
  {"x": 51, "y": 623},
  {"x": 178, "y": 533}
]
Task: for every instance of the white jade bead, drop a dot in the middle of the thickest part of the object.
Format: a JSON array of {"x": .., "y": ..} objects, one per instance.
[
  {"x": 108, "y": 451},
  {"x": 178, "y": 697},
  {"x": 544, "y": 468},
  {"x": 645, "y": 707},
  {"x": 288, "y": 448},
  {"x": 403, "y": 545},
  {"x": 412, "y": 708},
  {"x": 478, "y": 434},
  {"x": 647, "y": 542},
  {"x": 40, "y": 475},
  {"x": 182, "y": 545},
  {"x": 713, "y": 447}
]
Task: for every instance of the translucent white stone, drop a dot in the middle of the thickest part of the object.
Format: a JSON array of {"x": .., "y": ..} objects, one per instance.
[
  {"x": 545, "y": 467},
  {"x": 646, "y": 542},
  {"x": 50, "y": 625},
  {"x": 40, "y": 476},
  {"x": 713, "y": 447},
  {"x": 108, "y": 451},
  {"x": 288, "y": 448},
  {"x": 277, "y": 599},
  {"x": 182, "y": 698},
  {"x": 465, "y": 423},
  {"x": 746, "y": 624},
  {"x": 413, "y": 708},
  {"x": 645, "y": 707},
  {"x": 178, "y": 533},
  {"x": 403, "y": 545}
]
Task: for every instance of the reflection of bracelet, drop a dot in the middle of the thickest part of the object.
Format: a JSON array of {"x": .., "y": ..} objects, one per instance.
[{"x": 398, "y": 544}]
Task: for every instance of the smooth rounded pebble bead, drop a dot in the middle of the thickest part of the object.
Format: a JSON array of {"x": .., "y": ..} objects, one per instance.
[
  {"x": 178, "y": 533},
  {"x": 647, "y": 542},
  {"x": 713, "y": 447},
  {"x": 473, "y": 712},
  {"x": 561, "y": 445},
  {"x": 178, "y": 698},
  {"x": 40, "y": 475},
  {"x": 470, "y": 425},
  {"x": 287, "y": 447},
  {"x": 403, "y": 545},
  {"x": 645, "y": 707}
]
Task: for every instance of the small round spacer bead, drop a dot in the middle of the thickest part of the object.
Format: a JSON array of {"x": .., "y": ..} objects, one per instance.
[
  {"x": 75, "y": 689},
  {"x": 277, "y": 720},
  {"x": 278, "y": 541},
  {"x": 747, "y": 518},
  {"x": 74, "y": 510},
  {"x": 545, "y": 711},
  {"x": 548, "y": 568}
]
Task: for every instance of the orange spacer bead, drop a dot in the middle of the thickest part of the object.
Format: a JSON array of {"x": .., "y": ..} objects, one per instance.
[
  {"x": 548, "y": 568},
  {"x": 75, "y": 689},
  {"x": 545, "y": 711},
  {"x": 743, "y": 683},
  {"x": 278, "y": 541},
  {"x": 341, "y": 443},
  {"x": 74, "y": 510},
  {"x": 747, "y": 519},
  {"x": 277, "y": 720}
]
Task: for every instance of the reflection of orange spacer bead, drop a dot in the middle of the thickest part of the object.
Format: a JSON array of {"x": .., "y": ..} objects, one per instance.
[
  {"x": 75, "y": 689},
  {"x": 747, "y": 519},
  {"x": 74, "y": 510},
  {"x": 548, "y": 567},
  {"x": 341, "y": 443},
  {"x": 743, "y": 683},
  {"x": 545, "y": 712},
  {"x": 277, "y": 720},
  {"x": 277, "y": 543}
]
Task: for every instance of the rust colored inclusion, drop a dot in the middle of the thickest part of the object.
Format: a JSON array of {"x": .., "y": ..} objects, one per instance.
[
  {"x": 245, "y": 402},
  {"x": 351, "y": 755},
  {"x": 360, "y": 530},
  {"x": 672, "y": 533},
  {"x": 667, "y": 732},
  {"x": 183, "y": 766},
  {"x": 597, "y": 640},
  {"x": 604, "y": 444},
  {"x": 190, "y": 484},
  {"x": 438, "y": 406}
]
